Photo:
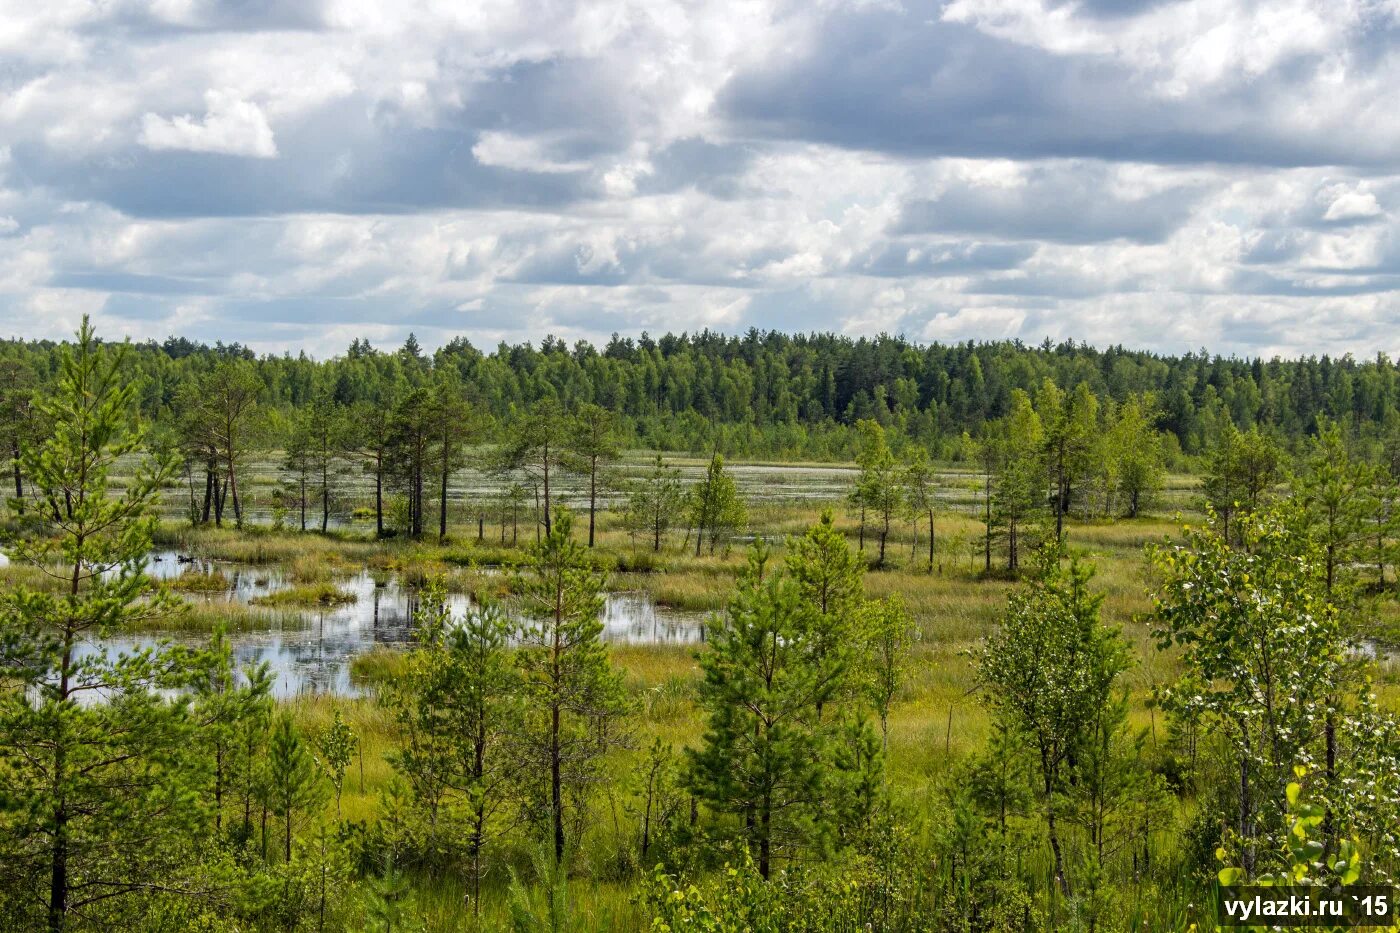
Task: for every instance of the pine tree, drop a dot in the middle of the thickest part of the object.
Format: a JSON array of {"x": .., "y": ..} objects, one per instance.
[
  {"x": 887, "y": 632},
  {"x": 535, "y": 444},
  {"x": 827, "y": 577},
  {"x": 1243, "y": 472},
  {"x": 298, "y": 463},
  {"x": 1136, "y": 451},
  {"x": 17, "y": 419},
  {"x": 574, "y": 696},
  {"x": 227, "y": 703},
  {"x": 292, "y": 782},
  {"x": 452, "y": 422},
  {"x": 762, "y": 759},
  {"x": 411, "y": 436},
  {"x": 592, "y": 444},
  {"x": 655, "y": 502},
  {"x": 459, "y": 705},
  {"x": 96, "y": 798},
  {"x": 336, "y": 745},
  {"x": 368, "y": 438},
  {"x": 1019, "y": 477},
  {"x": 878, "y": 490},
  {"x": 1333, "y": 490},
  {"x": 1070, "y": 423}
]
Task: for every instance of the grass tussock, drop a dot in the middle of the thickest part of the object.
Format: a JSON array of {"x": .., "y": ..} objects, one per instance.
[
  {"x": 197, "y": 582},
  {"x": 310, "y": 595}
]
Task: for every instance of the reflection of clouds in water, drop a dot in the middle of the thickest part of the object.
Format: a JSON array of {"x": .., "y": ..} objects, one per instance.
[
  {"x": 314, "y": 656},
  {"x": 632, "y": 617}
]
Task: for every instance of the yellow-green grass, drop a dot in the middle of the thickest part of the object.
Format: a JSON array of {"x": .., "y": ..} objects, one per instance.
[
  {"x": 206, "y": 616},
  {"x": 937, "y": 718},
  {"x": 213, "y": 581},
  {"x": 306, "y": 595}
]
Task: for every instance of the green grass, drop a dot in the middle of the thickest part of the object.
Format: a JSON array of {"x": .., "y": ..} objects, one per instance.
[
  {"x": 306, "y": 595},
  {"x": 198, "y": 582},
  {"x": 936, "y": 720}
]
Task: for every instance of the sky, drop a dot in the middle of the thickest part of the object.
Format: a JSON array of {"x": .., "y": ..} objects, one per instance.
[{"x": 293, "y": 174}]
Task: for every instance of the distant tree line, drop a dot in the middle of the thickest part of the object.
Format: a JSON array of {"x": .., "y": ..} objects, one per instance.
[{"x": 772, "y": 394}]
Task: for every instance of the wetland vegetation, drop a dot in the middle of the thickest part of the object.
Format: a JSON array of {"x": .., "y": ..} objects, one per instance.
[{"x": 1018, "y": 657}]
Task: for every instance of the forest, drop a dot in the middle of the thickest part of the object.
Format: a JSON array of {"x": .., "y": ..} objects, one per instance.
[{"x": 772, "y": 632}]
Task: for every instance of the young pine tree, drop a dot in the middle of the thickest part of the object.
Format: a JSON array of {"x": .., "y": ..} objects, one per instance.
[
  {"x": 573, "y": 695},
  {"x": 97, "y": 799},
  {"x": 459, "y": 706},
  {"x": 764, "y": 762},
  {"x": 887, "y": 631},
  {"x": 827, "y": 576},
  {"x": 292, "y": 783},
  {"x": 592, "y": 444},
  {"x": 655, "y": 502}
]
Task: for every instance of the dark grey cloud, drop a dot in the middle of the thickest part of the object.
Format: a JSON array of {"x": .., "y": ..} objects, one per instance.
[
  {"x": 903, "y": 259},
  {"x": 714, "y": 168},
  {"x": 1113, "y": 9},
  {"x": 337, "y": 160},
  {"x": 1063, "y": 204},
  {"x": 130, "y": 20},
  {"x": 904, "y": 82},
  {"x": 1256, "y": 282}
]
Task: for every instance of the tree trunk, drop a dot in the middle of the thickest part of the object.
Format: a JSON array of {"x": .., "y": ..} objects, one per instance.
[
  {"x": 233, "y": 490},
  {"x": 1060, "y": 877},
  {"x": 765, "y": 844},
  {"x": 14, "y": 465},
  {"x": 556, "y": 785},
  {"x": 548, "y": 525},
  {"x": 58, "y": 862},
  {"x": 987, "y": 540},
  {"x": 442, "y": 498},
  {"x": 556, "y": 778},
  {"x": 1012, "y": 557},
  {"x": 1246, "y": 824},
  {"x": 930, "y": 540},
  {"x": 592, "y": 497},
  {"x": 379, "y": 495}
]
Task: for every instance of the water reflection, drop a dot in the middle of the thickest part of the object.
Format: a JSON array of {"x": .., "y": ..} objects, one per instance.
[{"x": 312, "y": 655}]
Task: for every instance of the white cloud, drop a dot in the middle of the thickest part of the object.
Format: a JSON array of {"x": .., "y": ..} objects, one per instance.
[
  {"x": 230, "y": 126},
  {"x": 1349, "y": 203},
  {"x": 513, "y": 167},
  {"x": 520, "y": 153}
]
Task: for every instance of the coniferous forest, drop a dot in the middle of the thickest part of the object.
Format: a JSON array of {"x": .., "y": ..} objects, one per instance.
[{"x": 773, "y": 632}]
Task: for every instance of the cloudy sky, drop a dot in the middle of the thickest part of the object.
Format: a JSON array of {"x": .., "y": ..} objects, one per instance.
[{"x": 296, "y": 173}]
